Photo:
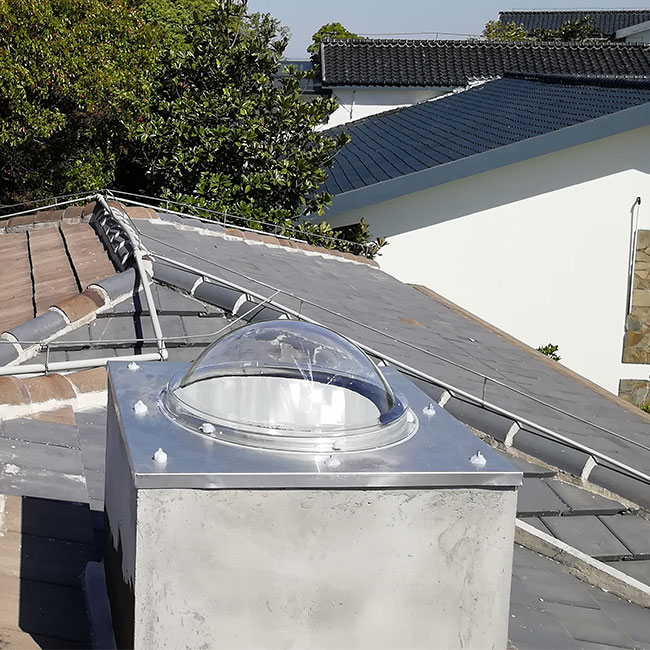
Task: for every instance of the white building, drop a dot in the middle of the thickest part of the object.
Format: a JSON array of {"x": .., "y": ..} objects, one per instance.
[{"x": 516, "y": 200}]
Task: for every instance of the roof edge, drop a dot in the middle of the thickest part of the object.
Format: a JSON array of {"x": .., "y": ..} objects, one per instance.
[
  {"x": 547, "y": 143},
  {"x": 633, "y": 29}
]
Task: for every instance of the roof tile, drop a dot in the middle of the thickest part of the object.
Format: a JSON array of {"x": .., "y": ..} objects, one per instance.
[
  {"x": 427, "y": 63},
  {"x": 20, "y": 224},
  {"x": 609, "y": 21},
  {"x": 487, "y": 117},
  {"x": 13, "y": 391},
  {"x": 47, "y": 387},
  {"x": 77, "y": 307},
  {"x": 87, "y": 381}
]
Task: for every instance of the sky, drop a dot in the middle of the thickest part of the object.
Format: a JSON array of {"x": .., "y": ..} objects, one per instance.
[{"x": 420, "y": 18}]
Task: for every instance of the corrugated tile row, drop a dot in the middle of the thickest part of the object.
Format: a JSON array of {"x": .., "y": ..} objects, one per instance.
[
  {"x": 47, "y": 256},
  {"x": 426, "y": 63},
  {"x": 36, "y": 390}
]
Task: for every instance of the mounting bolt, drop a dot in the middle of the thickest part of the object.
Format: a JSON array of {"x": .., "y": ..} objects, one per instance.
[
  {"x": 478, "y": 460},
  {"x": 206, "y": 427},
  {"x": 429, "y": 411},
  {"x": 133, "y": 366},
  {"x": 332, "y": 462},
  {"x": 140, "y": 407},
  {"x": 160, "y": 456}
]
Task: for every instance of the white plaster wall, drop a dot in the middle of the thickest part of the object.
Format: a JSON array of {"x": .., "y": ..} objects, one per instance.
[
  {"x": 538, "y": 248},
  {"x": 355, "y": 103}
]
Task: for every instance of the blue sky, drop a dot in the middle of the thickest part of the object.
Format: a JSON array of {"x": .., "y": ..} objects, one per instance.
[{"x": 304, "y": 17}]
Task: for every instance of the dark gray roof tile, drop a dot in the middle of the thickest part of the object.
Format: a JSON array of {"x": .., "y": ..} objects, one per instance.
[
  {"x": 535, "y": 498},
  {"x": 608, "y": 21},
  {"x": 632, "y": 530},
  {"x": 496, "y": 114},
  {"x": 43, "y": 483},
  {"x": 591, "y": 625},
  {"x": 443, "y": 63},
  {"x": 589, "y": 535},
  {"x": 51, "y": 433},
  {"x": 582, "y": 501},
  {"x": 639, "y": 569}
]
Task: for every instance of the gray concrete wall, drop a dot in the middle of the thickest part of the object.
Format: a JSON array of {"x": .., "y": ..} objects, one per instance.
[
  {"x": 120, "y": 532},
  {"x": 323, "y": 569}
]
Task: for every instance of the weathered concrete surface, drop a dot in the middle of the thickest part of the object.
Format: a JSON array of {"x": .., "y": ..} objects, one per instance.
[{"x": 323, "y": 569}]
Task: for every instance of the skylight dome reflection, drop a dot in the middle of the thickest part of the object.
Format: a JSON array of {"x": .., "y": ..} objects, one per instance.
[{"x": 292, "y": 386}]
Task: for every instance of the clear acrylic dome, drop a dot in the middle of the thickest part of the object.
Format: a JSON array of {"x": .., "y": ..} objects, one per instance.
[{"x": 288, "y": 385}]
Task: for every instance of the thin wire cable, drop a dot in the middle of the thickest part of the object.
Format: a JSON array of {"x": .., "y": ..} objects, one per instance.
[
  {"x": 87, "y": 199},
  {"x": 406, "y": 343},
  {"x": 375, "y": 330},
  {"x": 225, "y": 214},
  {"x": 418, "y": 34},
  {"x": 48, "y": 198},
  {"x": 54, "y": 345},
  {"x": 532, "y": 426}
]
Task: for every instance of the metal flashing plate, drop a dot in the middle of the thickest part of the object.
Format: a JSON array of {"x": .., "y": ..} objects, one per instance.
[{"x": 437, "y": 455}]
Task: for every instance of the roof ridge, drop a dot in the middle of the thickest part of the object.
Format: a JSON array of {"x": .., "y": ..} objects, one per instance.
[
  {"x": 606, "y": 81},
  {"x": 486, "y": 44},
  {"x": 576, "y": 10}
]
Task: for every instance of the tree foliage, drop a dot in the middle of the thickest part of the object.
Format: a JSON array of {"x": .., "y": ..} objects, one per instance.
[
  {"x": 172, "y": 17},
  {"x": 550, "y": 350},
  {"x": 579, "y": 30},
  {"x": 329, "y": 30},
  {"x": 73, "y": 75},
  {"x": 179, "y": 98},
  {"x": 225, "y": 134},
  {"x": 495, "y": 30}
]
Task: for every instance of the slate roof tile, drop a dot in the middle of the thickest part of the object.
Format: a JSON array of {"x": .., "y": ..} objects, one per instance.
[
  {"x": 493, "y": 115},
  {"x": 427, "y": 63}
]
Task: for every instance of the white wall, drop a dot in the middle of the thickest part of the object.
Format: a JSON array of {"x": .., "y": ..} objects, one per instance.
[
  {"x": 355, "y": 103},
  {"x": 539, "y": 248}
]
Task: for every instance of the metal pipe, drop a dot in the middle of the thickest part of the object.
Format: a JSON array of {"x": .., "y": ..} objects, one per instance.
[
  {"x": 133, "y": 237},
  {"x": 421, "y": 375},
  {"x": 634, "y": 224},
  {"x": 225, "y": 223},
  {"x": 55, "y": 366},
  {"x": 85, "y": 199}
]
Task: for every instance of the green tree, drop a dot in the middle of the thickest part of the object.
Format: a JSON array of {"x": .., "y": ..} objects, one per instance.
[
  {"x": 580, "y": 30},
  {"x": 227, "y": 135},
  {"x": 551, "y": 351},
  {"x": 495, "y": 30},
  {"x": 330, "y": 30},
  {"x": 172, "y": 17},
  {"x": 74, "y": 74}
]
